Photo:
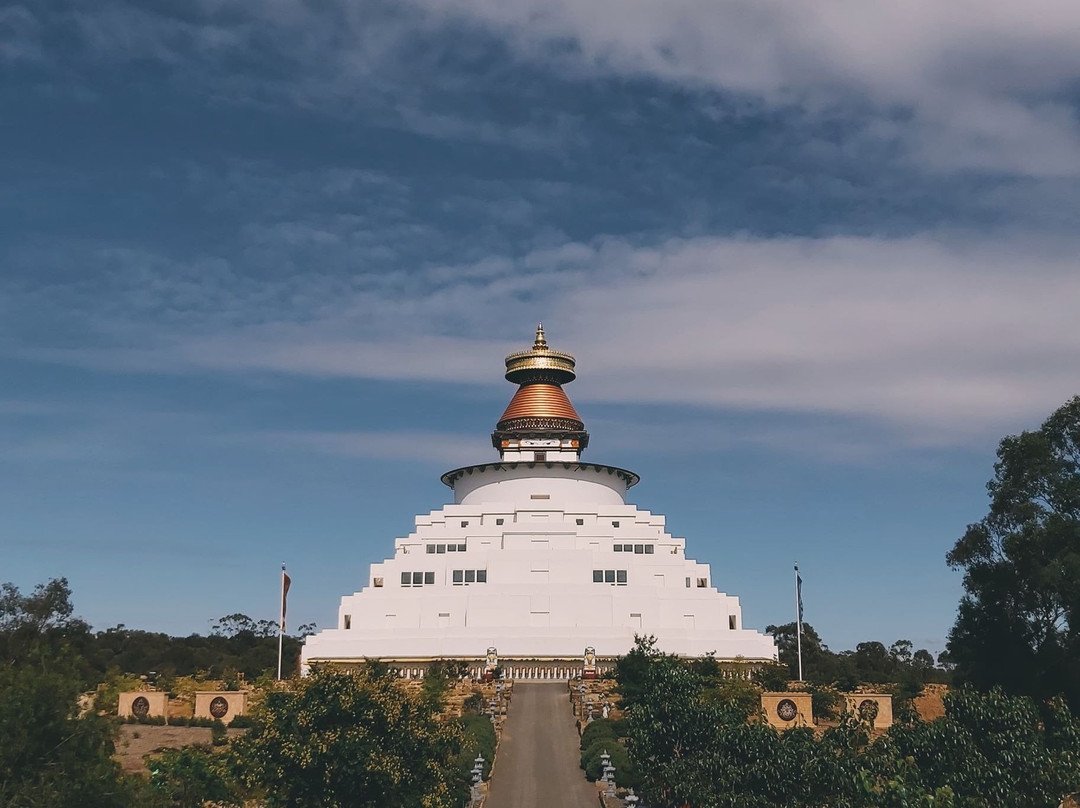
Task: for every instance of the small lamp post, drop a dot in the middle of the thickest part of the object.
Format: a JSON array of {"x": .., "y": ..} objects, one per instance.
[
  {"x": 477, "y": 778},
  {"x": 631, "y": 798},
  {"x": 609, "y": 775}
]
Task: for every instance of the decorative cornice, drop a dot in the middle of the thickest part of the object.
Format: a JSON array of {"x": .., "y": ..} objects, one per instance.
[
  {"x": 454, "y": 475},
  {"x": 534, "y": 424}
]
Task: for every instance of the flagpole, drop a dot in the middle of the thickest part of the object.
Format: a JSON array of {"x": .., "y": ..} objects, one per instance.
[
  {"x": 281, "y": 622},
  {"x": 798, "y": 620}
]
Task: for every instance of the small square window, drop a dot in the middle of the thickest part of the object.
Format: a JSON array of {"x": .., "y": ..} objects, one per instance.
[
  {"x": 620, "y": 577},
  {"x": 470, "y": 576},
  {"x": 348, "y": 622},
  {"x": 498, "y": 521},
  {"x": 687, "y": 583},
  {"x": 609, "y": 576},
  {"x": 451, "y": 548},
  {"x": 598, "y": 577},
  {"x": 441, "y": 548},
  {"x": 418, "y": 579},
  {"x": 618, "y": 548},
  {"x": 702, "y": 583},
  {"x": 458, "y": 576},
  {"x": 464, "y": 523},
  {"x": 406, "y": 578},
  {"x": 731, "y": 622},
  {"x": 649, "y": 549},
  {"x": 429, "y": 578},
  {"x": 579, "y": 521},
  {"x": 614, "y": 524},
  {"x": 431, "y": 548},
  {"x": 481, "y": 576},
  {"x": 461, "y": 548},
  {"x": 639, "y": 549},
  {"x": 378, "y": 582}
]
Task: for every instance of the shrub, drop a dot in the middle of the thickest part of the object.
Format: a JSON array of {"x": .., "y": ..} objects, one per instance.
[
  {"x": 826, "y": 701},
  {"x": 479, "y": 740},
  {"x": 474, "y": 703},
  {"x": 600, "y": 728},
  {"x": 626, "y": 774},
  {"x": 738, "y": 694}
]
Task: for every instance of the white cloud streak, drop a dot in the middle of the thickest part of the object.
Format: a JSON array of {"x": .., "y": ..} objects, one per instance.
[
  {"x": 970, "y": 84},
  {"x": 939, "y": 339},
  {"x": 967, "y": 85}
]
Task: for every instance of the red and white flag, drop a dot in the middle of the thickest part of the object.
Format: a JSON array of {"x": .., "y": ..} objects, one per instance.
[{"x": 286, "y": 582}]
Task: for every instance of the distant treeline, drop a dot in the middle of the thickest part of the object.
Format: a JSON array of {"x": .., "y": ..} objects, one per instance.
[
  {"x": 870, "y": 663},
  {"x": 236, "y": 647}
]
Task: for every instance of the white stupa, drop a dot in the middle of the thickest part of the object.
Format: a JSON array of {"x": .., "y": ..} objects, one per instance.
[{"x": 539, "y": 558}]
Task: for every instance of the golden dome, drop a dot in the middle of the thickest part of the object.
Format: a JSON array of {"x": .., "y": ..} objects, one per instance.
[{"x": 540, "y": 362}]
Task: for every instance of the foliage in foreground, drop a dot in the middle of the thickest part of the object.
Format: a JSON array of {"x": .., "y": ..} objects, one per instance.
[
  {"x": 989, "y": 750},
  {"x": 49, "y": 756},
  {"x": 347, "y": 739}
]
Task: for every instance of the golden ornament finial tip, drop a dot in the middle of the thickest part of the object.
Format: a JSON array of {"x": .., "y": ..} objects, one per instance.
[{"x": 541, "y": 341}]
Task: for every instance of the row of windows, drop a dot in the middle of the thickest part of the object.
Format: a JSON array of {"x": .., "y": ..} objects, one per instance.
[
  {"x": 579, "y": 521},
  {"x": 446, "y": 548},
  {"x": 428, "y": 578},
  {"x": 647, "y": 549},
  {"x": 616, "y": 577},
  {"x": 466, "y": 577},
  {"x": 701, "y": 582}
]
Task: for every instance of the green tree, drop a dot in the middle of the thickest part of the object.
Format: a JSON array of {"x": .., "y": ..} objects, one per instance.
[
  {"x": 1018, "y": 624},
  {"x": 346, "y": 739},
  {"x": 632, "y": 670},
  {"x": 192, "y": 776},
  {"x": 49, "y": 755}
]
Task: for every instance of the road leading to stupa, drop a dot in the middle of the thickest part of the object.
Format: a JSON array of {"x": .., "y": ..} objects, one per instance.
[{"x": 538, "y": 765}]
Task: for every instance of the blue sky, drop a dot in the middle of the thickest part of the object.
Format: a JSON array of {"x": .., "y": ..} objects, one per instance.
[{"x": 261, "y": 262}]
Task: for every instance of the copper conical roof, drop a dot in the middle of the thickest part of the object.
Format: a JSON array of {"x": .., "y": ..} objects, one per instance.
[
  {"x": 540, "y": 407},
  {"x": 540, "y": 401}
]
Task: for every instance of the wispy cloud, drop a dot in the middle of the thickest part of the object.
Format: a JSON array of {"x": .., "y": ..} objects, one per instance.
[
  {"x": 962, "y": 85},
  {"x": 922, "y": 333},
  {"x": 975, "y": 85}
]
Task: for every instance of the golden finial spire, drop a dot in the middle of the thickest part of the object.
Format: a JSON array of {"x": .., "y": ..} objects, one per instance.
[{"x": 539, "y": 361}]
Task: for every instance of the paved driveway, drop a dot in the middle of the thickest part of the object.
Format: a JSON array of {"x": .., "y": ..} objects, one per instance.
[{"x": 538, "y": 761}]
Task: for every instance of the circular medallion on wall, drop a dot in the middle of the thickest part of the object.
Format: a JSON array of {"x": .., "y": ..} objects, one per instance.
[
  {"x": 868, "y": 709},
  {"x": 219, "y": 707},
  {"x": 140, "y": 706},
  {"x": 786, "y": 710}
]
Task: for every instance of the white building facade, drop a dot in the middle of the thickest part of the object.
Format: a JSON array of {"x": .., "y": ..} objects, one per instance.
[{"x": 540, "y": 557}]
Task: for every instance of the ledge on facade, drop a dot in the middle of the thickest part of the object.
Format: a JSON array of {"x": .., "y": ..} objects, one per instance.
[{"x": 454, "y": 475}]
